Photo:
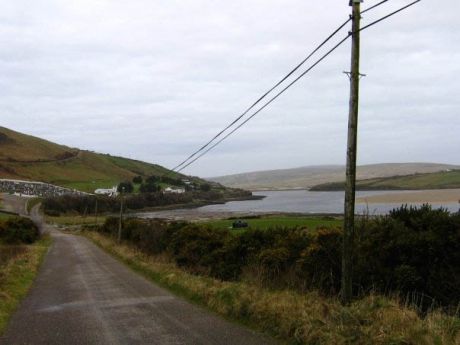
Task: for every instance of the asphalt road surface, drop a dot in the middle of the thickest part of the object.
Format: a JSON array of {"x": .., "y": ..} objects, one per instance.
[{"x": 84, "y": 296}]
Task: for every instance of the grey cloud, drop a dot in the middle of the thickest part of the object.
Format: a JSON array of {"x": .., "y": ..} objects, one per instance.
[{"x": 155, "y": 80}]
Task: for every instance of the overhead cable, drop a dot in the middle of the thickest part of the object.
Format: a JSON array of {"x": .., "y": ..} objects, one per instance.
[
  {"x": 269, "y": 102},
  {"x": 285, "y": 89},
  {"x": 375, "y": 6},
  {"x": 265, "y": 94},
  {"x": 389, "y": 15}
]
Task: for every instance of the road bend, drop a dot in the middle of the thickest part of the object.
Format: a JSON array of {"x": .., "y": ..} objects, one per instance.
[{"x": 84, "y": 296}]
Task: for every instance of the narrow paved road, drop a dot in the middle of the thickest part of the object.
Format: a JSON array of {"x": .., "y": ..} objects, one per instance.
[{"x": 84, "y": 296}]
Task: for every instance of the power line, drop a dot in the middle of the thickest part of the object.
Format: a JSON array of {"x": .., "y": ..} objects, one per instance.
[
  {"x": 287, "y": 87},
  {"x": 375, "y": 6},
  {"x": 273, "y": 88},
  {"x": 269, "y": 102},
  {"x": 389, "y": 15},
  {"x": 265, "y": 94}
]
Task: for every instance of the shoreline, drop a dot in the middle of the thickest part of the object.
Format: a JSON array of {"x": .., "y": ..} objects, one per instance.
[{"x": 444, "y": 196}]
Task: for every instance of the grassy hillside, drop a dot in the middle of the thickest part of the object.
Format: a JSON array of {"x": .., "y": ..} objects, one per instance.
[
  {"x": 30, "y": 158},
  {"x": 307, "y": 177},
  {"x": 24, "y": 148},
  {"x": 438, "y": 180}
]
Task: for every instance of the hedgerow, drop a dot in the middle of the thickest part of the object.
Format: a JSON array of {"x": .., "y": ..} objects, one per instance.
[{"x": 410, "y": 252}]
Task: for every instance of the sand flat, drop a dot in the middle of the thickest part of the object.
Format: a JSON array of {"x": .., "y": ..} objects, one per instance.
[{"x": 422, "y": 196}]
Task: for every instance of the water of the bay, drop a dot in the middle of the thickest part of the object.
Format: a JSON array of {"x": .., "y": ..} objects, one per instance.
[
  {"x": 303, "y": 201},
  {"x": 294, "y": 201}
]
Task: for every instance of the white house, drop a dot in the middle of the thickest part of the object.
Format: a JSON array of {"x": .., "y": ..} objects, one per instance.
[
  {"x": 174, "y": 190},
  {"x": 110, "y": 192}
]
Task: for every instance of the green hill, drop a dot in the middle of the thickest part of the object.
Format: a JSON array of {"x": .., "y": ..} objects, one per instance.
[
  {"x": 439, "y": 180},
  {"x": 309, "y": 176},
  {"x": 30, "y": 158}
]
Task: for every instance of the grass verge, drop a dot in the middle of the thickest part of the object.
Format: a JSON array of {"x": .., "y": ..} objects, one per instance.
[
  {"x": 290, "y": 316},
  {"x": 4, "y": 216},
  {"x": 75, "y": 220},
  {"x": 266, "y": 222},
  {"x": 17, "y": 274},
  {"x": 32, "y": 202}
]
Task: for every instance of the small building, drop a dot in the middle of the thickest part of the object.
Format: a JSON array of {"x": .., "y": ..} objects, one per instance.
[
  {"x": 174, "y": 190},
  {"x": 110, "y": 192}
]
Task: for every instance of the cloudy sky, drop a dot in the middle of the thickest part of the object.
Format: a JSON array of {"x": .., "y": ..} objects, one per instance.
[{"x": 154, "y": 80}]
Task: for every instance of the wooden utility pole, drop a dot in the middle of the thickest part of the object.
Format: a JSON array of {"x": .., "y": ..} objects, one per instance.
[
  {"x": 120, "y": 224},
  {"x": 350, "y": 183},
  {"x": 95, "y": 210}
]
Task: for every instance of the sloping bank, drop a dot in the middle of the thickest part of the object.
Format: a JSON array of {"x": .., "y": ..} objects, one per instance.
[{"x": 297, "y": 318}]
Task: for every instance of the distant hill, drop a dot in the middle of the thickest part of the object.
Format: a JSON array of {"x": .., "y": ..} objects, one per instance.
[
  {"x": 438, "y": 180},
  {"x": 307, "y": 177},
  {"x": 26, "y": 157}
]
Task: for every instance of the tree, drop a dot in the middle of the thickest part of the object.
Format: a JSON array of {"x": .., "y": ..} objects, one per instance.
[
  {"x": 137, "y": 179},
  {"x": 205, "y": 187},
  {"x": 149, "y": 187},
  {"x": 152, "y": 179},
  {"x": 125, "y": 187}
]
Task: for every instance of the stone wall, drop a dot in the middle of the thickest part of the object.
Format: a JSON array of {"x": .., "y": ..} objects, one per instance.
[{"x": 32, "y": 188}]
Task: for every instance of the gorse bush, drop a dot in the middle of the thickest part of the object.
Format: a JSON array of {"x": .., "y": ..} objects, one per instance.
[
  {"x": 410, "y": 251},
  {"x": 18, "y": 230}
]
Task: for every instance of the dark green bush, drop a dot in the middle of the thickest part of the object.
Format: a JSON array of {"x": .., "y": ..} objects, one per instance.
[
  {"x": 319, "y": 265},
  {"x": 138, "y": 179},
  {"x": 125, "y": 187},
  {"x": 18, "y": 230},
  {"x": 197, "y": 247},
  {"x": 410, "y": 251},
  {"x": 150, "y": 235}
]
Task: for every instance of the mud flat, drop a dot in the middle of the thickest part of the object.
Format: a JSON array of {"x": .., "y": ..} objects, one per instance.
[
  {"x": 423, "y": 196},
  {"x": 197, "y": 215}
]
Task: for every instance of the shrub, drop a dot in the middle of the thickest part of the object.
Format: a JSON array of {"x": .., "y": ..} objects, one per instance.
[
  {"x": 197, "y": 247},
  {"x": 18, "y": 230},
  {"x": 137, "y": 179},
  {"x": 149, "y": 187},
  {"x": 125, "y": 187},
  {"x": 412, "y": 250},
  {"x": 205, "y": 187},
  {"x": 319, "y": 265}
]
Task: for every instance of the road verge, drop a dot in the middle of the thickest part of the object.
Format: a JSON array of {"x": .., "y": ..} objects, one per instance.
[{"x": 17, "y": 273}]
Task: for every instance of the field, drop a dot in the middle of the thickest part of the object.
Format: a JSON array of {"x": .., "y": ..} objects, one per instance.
[{"x": 279, "y": 221}]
